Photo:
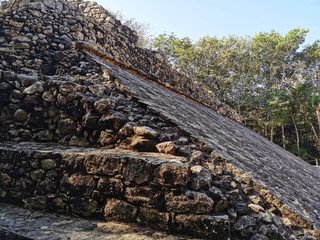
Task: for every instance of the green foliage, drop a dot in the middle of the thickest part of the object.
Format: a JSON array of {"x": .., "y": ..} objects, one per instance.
[{"x": 273, "y": 86}]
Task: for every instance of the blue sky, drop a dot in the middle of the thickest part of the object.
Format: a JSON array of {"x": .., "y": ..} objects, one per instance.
[{"x": 199, "y": 18}]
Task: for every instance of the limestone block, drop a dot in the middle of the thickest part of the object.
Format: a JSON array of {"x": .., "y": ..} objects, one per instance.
[
  {"x": 34, "y": 88},
  {"x": 113, "y": 120},
  {"x": 110, "y": 186},
  {"x": 66, "y": 126},
  {"x": 142, "y": 195},
  {"x": 107, "y": 137},
  {"x": 150, "y": 216},
  {"x": 83, "y": 206},
  {"x": 202, "y": 177},
  {"x": 146, "y": 132},
  {"x": 188, "y": 202},
  {"x": 78, "y": 185},
  {"x": 172, "y": 174},
  {"x": 119, "y": 210},
  {"x": 102, "y": 105},
  {"x": 139, "y": 144},
  {"x": 166, "y": 147},
  {"x": 206, "y": 226},
  {"x": 103, "y": 165}
]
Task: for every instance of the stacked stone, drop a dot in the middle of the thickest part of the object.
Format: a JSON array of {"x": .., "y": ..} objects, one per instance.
[
  {"x": 57, "y": 25},
  {"x": 106, "y": 19},
  {"x": 152, "y": 189}
]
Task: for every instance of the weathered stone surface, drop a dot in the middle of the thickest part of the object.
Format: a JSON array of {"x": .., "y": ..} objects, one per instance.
[
  {"x": 107, "y": 138},
  {"x": 48, "y": 164},
  {"x": 143, "y": 195},
  {"x": 83, "y": 207},
  {"x": 66, "y": 126},
  {"x": 37, "y": 174},
  {"x": 166, "y": 147},
  {"x": 103, "y": 165},
  {"x": 139, "y": 143},
  {"x": 78, "y": 185},
  {"x": 149, "y": 216},
  {"x": 255, "y": 207},
  {"x": 202, "y": 177},
  {"x": 173, "y": 174},
  {"x": 78, "y": 141},
  {"x": 37, "y": 202},
  {"x": 64, "y": 103},
  {"x": 49, "y": 96},
  {"x": 145, "y": 131},
  {"x": 120, "y": 211},
  {"x": 206, "y": 226},
  {"x": 110, "y": 186},
  {"x": 97, "y": 89},
  {"x": 102, "y": 105},
  {"x": 34, "y": 88},
  {"x": 245, "y": 226},
  {"x": 188, "y": 202},
  {"x": 114, "y": 120},
  {"x": 20, "y": 115}
]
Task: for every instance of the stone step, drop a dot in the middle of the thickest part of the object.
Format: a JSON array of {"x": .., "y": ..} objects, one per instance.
[
  {"x": 17, "y": 223},
  {"x": 151, "y": 189}
]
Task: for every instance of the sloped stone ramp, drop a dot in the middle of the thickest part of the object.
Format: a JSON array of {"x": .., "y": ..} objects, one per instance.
[{"x": 280, "y": 177}]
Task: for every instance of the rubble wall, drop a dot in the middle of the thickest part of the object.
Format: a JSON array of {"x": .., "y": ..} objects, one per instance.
[{"x": 92, "y": 23}]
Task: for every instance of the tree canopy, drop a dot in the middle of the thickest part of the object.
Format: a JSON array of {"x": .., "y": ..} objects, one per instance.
[{"x": 270, "y": 79}]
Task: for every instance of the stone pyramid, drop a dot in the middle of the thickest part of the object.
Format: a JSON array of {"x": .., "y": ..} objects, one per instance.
[{"x": 92, "y": 125}]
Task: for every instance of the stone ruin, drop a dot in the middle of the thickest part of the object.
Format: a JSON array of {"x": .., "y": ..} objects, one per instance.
[{"x": 94, "y": 126}]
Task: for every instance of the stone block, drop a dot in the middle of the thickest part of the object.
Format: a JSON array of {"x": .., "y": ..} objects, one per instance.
[
  {"x": 188, "y": 202},
  {"x": 143, "y": 195},
  {"x": 110, "y": 186},
  {"x": 82, "y": 206},
  {"x": 137, "y": 171},
  {"x": 172, "y": 175},
  {"x": 146, "y": 132},
  {"x": 166, "y": 147},
  {"x": 205, "y": 226},
  {"x": 154, "y": 218},
  {"x": 78, "y": 185},
  {"x": 118, "y": 210},
  {"x": 103, "y": 165},
  {"x": 48, "y": 164}
]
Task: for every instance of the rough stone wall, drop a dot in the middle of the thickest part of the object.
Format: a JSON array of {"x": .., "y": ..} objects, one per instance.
[
  {"x": 153, "y": 189},
  {"x": 90, "y": 22}
]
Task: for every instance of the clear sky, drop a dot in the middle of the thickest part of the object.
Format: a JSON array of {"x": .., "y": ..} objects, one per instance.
[{"x": 199, "y": 18}]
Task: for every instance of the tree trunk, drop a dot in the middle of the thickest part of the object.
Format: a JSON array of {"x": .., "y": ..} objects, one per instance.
[
  {"x": 266, "y": 131},
  {"x": 297, "y": 133},
  {"x": 283, "y": 137},
  {"x": 318, "y": 116},
  {"x": 271, "y": 133},
  {"x": 315, "y": 134}
]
